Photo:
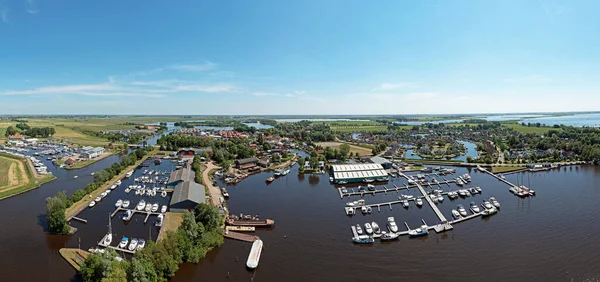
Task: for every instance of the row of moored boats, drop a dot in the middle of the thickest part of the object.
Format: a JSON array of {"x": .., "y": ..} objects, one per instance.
[{"x": 372, "y": 230}]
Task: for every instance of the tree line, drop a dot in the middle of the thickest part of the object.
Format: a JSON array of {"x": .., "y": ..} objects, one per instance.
[{"x": 41, "y": 132}]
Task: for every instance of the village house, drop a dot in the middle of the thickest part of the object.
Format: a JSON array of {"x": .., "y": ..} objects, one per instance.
[{"x": 247, "y": 163}]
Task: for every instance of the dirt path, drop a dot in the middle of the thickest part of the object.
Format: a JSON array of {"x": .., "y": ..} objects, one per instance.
[
  {"x": 13, "y": 180},
  {"x": 214, "y": 192}
]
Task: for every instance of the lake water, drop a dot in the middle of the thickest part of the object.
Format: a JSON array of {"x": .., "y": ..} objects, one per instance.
[
  {"x": 317, "y": 119},
  {"x": 572, "y": 120}
]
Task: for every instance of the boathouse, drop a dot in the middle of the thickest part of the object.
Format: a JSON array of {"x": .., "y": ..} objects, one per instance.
[
  {"x": 246, "y": 163},
  {"x": 181, "y": 175},
  {"x": 382, "y": 161},
  {"x": 194, "y": 151},
  {"x": 355, "y": 173},
  {"x": 186, "y": 196}
]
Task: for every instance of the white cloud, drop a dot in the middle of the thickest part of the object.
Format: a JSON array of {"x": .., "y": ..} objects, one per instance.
[
  {"x": 392, "y": 86},
  {"x": 32, "y": 7},
  {"x": 4, "y": 11},
  {"x": 199, "y": 67}
]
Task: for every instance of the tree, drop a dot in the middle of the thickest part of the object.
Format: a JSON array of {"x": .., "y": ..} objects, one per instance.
[
  {"x": 469, "y": 159},
  {"x": 98, "y": 266},
  {"x": 208, "y": 215},
  {"x": 141, "y": 270},
  {"x": 10, "y": 131},
  {"x": 55, "y": 213}
]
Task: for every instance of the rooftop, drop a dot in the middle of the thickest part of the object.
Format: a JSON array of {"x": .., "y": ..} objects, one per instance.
[{"x": 188, "y": 190}]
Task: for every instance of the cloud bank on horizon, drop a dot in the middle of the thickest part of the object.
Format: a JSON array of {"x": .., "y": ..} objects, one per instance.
[{"x": 304, "y": 57}]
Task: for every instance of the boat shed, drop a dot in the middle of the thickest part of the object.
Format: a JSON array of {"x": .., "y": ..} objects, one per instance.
[
  {"x": 353, "y": 173},
  {"x": 382, "y": 161},
  {"x": 194, "y": 151},
  {"x": 186, "y": 196},
  {"x": 181, "y": 175}
]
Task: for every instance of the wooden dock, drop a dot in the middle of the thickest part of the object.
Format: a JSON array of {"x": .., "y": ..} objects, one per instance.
[
  {"x": 123, "y": 250},
  {"x": 148, "y": 214},
  {"x": 240, "y": 236},
  {"x": 79, "y": 219},
  {"x": 386, "y": 190},
  {"x": 496, "y": 176},
  {"x": 240, "y": 228}
]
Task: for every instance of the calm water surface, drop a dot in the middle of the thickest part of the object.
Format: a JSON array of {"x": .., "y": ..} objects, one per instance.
[{"x": 551, "y": 237}]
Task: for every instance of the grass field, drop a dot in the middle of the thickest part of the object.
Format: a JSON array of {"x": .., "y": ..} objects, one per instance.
[
  {"x": 16, "y": 176},
  {"x": 172, "y": 222},
  {"x": 355, "y": 128},
  {"x": 353, "y": 148},
  {"x": 502, "y": 169},
  {"x": 526, "y": 129}
]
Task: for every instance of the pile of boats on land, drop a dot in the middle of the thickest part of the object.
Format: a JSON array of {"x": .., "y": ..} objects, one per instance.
[
  {"x": 373, "y": 230},
  {"x": 104, "y": 194},
  {"x": 490, "y": 207},
  {"x": 142, "y": 190}
]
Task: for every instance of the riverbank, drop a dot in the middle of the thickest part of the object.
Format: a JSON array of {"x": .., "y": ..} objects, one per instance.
[
  {"x": 82, "y": 164},
  {"x": 77, "y": 207},
  {"x": 19, "y": 176},
  {"x": 171, "y": 222},
  {"x": 75, "y": 257}
]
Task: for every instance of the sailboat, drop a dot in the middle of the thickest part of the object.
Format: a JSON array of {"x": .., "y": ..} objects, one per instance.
[{"x": 108, "y": 237}]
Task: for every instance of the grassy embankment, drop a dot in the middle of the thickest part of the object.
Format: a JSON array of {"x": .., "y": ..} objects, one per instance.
[
  {"x": 528, "y": 129},
  {"x": 504, "y": 169},
  {"x": 362, "y": 151},
  {"x": 78, "y": 206},
  {"x": 16, "y": 176},
  {"x": 172, "y": 221}
]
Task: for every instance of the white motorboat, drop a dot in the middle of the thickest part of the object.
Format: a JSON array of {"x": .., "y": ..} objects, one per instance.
[
  {"x": 123, "y": 242},
  {"x": 486, "y": 213},
  {"x": 159, "y": 220},
  {"x": 154, "y": 207},
  {"x": 133, "y": 244},
  {"x": 452, "y": 195},
  {"x": 356, "y": 203},
  {"x": 421, "y": 231},
  {"x": 127, "y": 215},
  {"x": 459, "y": 182},
  {"x": 125, "y": 204},
  {"x": 440, "y": 198},
  {"x": 368, "y": 228},
  {"x": 148, "y": 207},
  {"x": 455, "y": 214},
  {"x": 141, "y": 205},
  {"x": 359, "y": 230},
  {"x": 462, "y": 193},
  {"x": 103, "y": 194},
  {"x": 128, "y": 189},
  {"x": 107, "y": 192},
  {"x": 392, "y": 224},
  {"x": 163, "y": 194},
  {"x": 475, "y": 207},
  {"x": 344, "y": 190},
  {"x": 113, "y": 187},
  {"x": 163, "y": 209},
  {"x": 119, "y": 203},
  {"x": 494, "y": 202},
  {"x": 92, "y": 204},
  {"x": 478, "y": 189},
  {"x": 152, "y": 193},
  {"x": 405, "y": 204},
  {"x": 487, "y": 205},
  {"x": 461, "y": 209},
  {"x": 141, "y": 244},
  {"x": 97, "y": 199},
  {"x": 375, "y": 227},
  {"x": 363, "y": 209},
  {"x": 118, "y": 183},
  {"x": 350, "y": 211},
  {"x": 129, "y": 174},
  {"x": 419, "y": 202}
]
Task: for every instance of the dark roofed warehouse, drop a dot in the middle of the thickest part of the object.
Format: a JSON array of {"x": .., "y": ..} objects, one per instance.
[
  {"x": 181, "y": 175},
  {"x": 186, "y": 196}
]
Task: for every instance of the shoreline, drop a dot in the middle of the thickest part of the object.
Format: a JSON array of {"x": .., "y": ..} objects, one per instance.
[{"x": 35, "y": 180}]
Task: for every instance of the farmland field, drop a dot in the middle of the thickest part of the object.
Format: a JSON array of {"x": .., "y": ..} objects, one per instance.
[{"x": 362, "y": 151}]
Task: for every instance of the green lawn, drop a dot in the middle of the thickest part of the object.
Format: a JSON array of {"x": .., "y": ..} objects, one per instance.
[
  {"x": 502, "y": 169},
  {"x": 351, "y": 128},
  {"x": 4, "y": 167},
  {"x": 526, "y": 129}
]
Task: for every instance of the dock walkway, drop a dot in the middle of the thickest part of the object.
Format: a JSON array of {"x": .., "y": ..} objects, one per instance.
[
  {"x": 386, "y": 190},
  {"x": 496, "y": 176},
  {"x": 240, "y": 228},
  {"x": 240, "y": 236},
  {"x": 148, "y": 214}
]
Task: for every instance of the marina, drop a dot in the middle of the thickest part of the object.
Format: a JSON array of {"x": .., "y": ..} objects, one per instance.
[{"x": 385, "y": 189}]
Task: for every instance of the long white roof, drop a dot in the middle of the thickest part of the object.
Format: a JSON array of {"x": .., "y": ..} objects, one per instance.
[{"x": 350, "y": 171}]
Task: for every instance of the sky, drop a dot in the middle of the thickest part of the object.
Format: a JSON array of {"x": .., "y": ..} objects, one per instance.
[{"x": 298, "y": 57}]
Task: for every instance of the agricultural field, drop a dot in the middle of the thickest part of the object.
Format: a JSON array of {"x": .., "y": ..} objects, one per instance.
[
  {"x": 526, "y": 129},
  {"x": 362, "y": 151},
  {"x": 354, "y": 128},
  {"x": 16, "y": 177}
]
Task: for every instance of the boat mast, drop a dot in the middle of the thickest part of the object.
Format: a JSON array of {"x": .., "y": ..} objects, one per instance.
[{"x": 109, "y": 225}]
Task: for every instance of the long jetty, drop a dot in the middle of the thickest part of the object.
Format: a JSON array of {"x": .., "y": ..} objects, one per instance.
[
  {"x": 148, "y": 214},
  {"x": 496, "y": 176},
  {"x": 386, "y": 189},
  {"x": 444, "y": 225}
]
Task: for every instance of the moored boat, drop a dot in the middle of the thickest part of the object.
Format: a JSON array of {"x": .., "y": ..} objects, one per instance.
[
  {"x": 123, "y": 242},
  {"x": 455, "y": 214},
  {"x": 163, "y": 209},
  {"x": 344, "y": 190},
  {"x": 127, "y": 215},
  {"x": 389, "y": 236},
  {"x": 419, "y": 202},
  {"x": 92, "y": 204},
  {"x": 154, "y": 207},
  {"x": 363, "y": 239},
  {"x": 251, "y": 222},
  {"x": 392, "y": 224},
  {"x": 487, "y": 205},
  {"x": 461, "y": 209},
  {"x": 375, "y": 227},
  {"x": 368, "y": 228},
  {"x": 359, "y": 230},
  {"x": 475, "y": 207},
  {"x": 486, "y": 213},
  {"x": 494, "y": 202},
  {"x": 270, "y": 179},
  {"x": 133, "y": 244},
  {"x": 119, "y": 203},
  {"x": 358, "y": 203},
  {"x": 140, "y": 206},
  {"x": 159, "y": 220},
  {"x": 421, "y": 231},
  {"x": 254, "y": 256},
  {"x": 141, "y": 244}
]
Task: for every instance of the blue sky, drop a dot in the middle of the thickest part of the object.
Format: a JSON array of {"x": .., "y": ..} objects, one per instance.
[{"x": 298, "y": 57}]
